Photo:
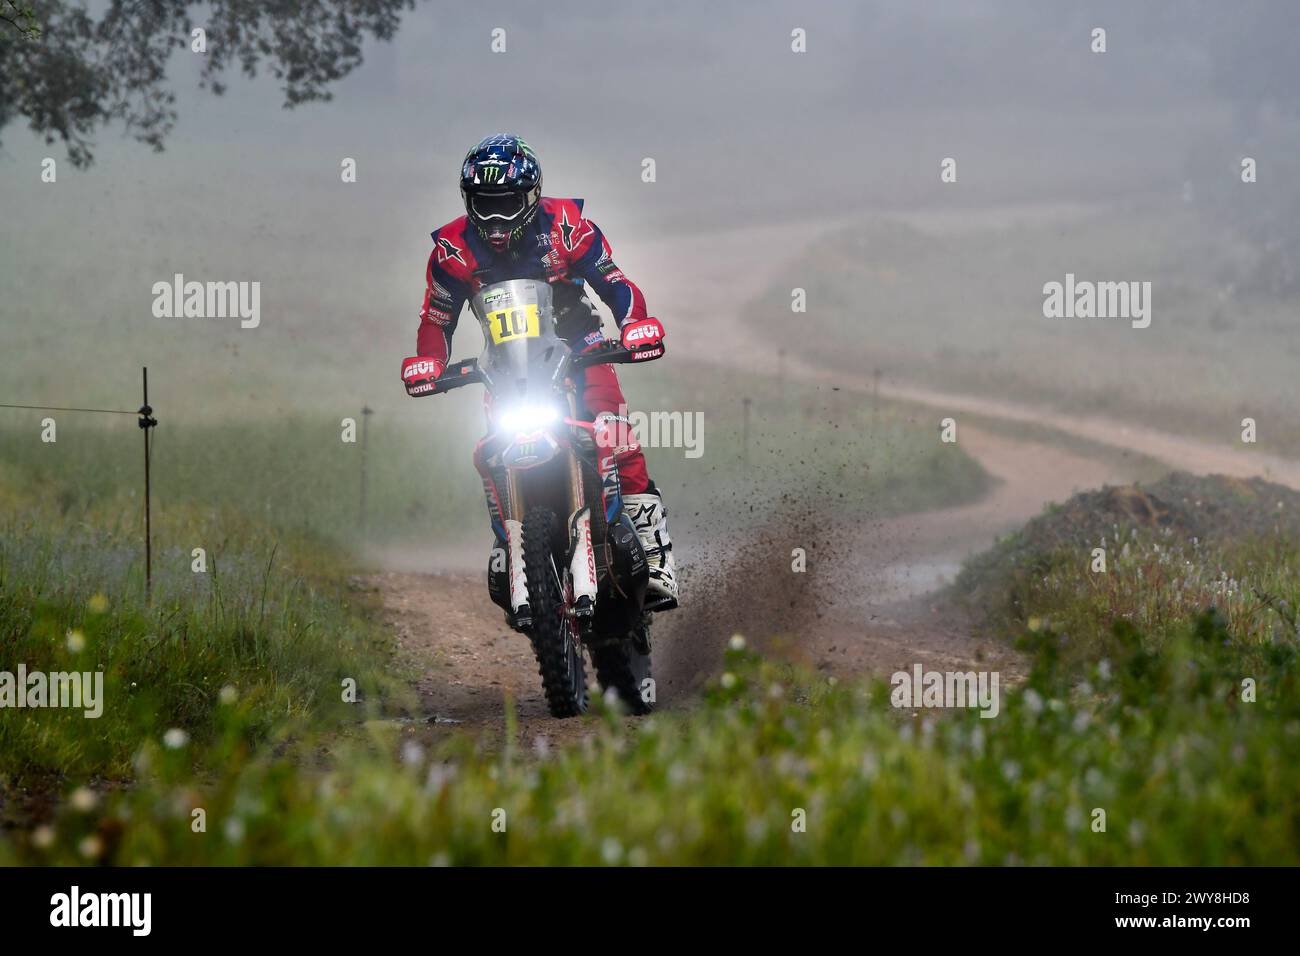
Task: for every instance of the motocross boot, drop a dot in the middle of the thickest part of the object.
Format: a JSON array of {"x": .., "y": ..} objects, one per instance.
[{"x": 651, "y": 523}]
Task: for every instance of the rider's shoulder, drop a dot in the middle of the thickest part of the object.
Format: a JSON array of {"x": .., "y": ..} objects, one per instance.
[
  {"x": 453, "y": 230},
  {"x": 568, "y": 228},
  {"x": 556, "y": 207},
  {"x": 451, "y": 247}
]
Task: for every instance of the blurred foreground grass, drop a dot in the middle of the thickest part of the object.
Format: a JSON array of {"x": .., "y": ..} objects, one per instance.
[
  {"x": 225, "y": 697},
  {"x": 773, "y": 767}
]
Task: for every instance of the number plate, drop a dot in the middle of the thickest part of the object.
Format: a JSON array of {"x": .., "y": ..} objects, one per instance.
[{"x": 516, "y": 322}]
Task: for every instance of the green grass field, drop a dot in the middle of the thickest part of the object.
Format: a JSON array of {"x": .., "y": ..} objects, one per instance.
[
  {"x": 238, "y": 670},
  {"x": 1142, "y": 717},
  {"x": 267, "y": 631},
  {"x": 1150, "y": 557},
  {"x": 961, "y": 309},
  {"x": 296, "y": 472}
]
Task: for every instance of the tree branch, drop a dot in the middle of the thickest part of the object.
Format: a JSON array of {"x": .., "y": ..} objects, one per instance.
[{"x": 24, "y": 20}]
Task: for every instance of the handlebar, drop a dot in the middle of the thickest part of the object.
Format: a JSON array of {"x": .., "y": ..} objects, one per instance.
[
  {"x": 467, "y": 372},
  {"x": 611, "y": 353},
  {"x": 454, "y": 376}
]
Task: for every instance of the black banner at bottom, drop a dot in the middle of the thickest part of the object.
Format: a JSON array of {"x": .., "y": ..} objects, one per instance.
[{"x": 925, "y": 905}]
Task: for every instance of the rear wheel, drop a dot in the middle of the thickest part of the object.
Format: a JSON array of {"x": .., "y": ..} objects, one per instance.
[
  {"x": 555, "y": 644},
  {"x": 623, "y": 663}
]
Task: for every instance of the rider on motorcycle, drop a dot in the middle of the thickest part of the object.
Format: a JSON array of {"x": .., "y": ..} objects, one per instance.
[{"x": 512, "y": 231}]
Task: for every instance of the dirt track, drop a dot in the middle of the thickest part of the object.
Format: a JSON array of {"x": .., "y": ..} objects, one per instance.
[{"x": 873, "y": 613}]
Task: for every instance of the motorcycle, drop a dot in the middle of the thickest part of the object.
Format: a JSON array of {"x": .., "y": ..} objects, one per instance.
[{"x": 568, "y": 568}]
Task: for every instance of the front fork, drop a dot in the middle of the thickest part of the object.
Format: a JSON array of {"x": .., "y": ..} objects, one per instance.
[
  {"x": 507, "y": 514},
  {"x": 518, "y": 581},
  {"x": 582, "y": 561}
]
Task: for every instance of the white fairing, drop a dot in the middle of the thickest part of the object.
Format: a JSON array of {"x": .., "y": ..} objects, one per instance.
[
  {"x": 583, "y": 566},
  {"x": 518, "y": 580}
]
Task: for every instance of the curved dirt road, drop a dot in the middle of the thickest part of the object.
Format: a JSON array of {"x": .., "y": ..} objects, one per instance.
[{"x": 867, "y": 607}]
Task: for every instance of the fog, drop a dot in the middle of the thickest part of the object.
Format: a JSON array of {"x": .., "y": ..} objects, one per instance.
[
  {"x": 1120, "y": 165},
  {"x": 742, "y": 129}
]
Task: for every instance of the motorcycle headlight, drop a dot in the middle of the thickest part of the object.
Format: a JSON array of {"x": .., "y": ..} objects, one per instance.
[{"x": 523, "y": 418}]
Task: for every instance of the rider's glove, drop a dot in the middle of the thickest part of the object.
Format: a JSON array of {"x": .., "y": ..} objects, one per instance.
[
  {"x": 419, "y": 375},
  {"x": 644, "y": 339}
]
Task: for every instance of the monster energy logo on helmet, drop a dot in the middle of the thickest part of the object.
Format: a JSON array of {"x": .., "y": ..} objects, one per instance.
[{"x": 501, "y": 184}]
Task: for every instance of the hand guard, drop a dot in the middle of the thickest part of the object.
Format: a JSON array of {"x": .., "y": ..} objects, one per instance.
[
  {"x": 644, "y": 339},
  {"x": 419, "y": 375}
]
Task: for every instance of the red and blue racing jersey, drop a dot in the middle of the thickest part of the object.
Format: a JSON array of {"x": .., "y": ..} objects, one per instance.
[{"x": 559, "y": 245}]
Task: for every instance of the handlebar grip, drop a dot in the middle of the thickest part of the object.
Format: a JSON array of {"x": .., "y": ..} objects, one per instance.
[
  {"x": 614, "y": 355},
  {"x": 462, "y": 373},
  {"x": 467, "y": 372}
]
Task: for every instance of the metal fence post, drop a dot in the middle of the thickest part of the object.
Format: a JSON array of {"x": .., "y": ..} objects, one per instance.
[
  {"x": 146, "y": 422},
  {"x": 366, "y": 412}
]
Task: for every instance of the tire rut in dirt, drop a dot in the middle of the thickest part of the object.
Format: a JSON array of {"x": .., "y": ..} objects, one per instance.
[{"x": 559, "y": 657}]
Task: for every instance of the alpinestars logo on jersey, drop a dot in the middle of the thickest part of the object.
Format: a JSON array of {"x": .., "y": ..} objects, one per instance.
[
  {"x": 448, "y": 250},
  {"x": 572, "y": 235}
]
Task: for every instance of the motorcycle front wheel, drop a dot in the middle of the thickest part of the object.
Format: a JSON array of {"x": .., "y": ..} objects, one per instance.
[{"x": 555, "y": 645}]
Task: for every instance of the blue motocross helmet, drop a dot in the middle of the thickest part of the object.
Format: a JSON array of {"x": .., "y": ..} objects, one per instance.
[{"x": 501, "y": 183}]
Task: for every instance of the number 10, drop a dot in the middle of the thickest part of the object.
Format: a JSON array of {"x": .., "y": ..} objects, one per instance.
[{"x": 518, "y": 322}]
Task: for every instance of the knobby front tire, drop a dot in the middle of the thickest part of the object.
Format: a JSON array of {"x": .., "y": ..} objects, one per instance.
[{"x": 558, "y": 653}]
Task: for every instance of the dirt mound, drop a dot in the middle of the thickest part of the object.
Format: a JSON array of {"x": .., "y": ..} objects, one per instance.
[
  {"x": 1207, "y": 507},
  {"x": 1181, "y": 506}
]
